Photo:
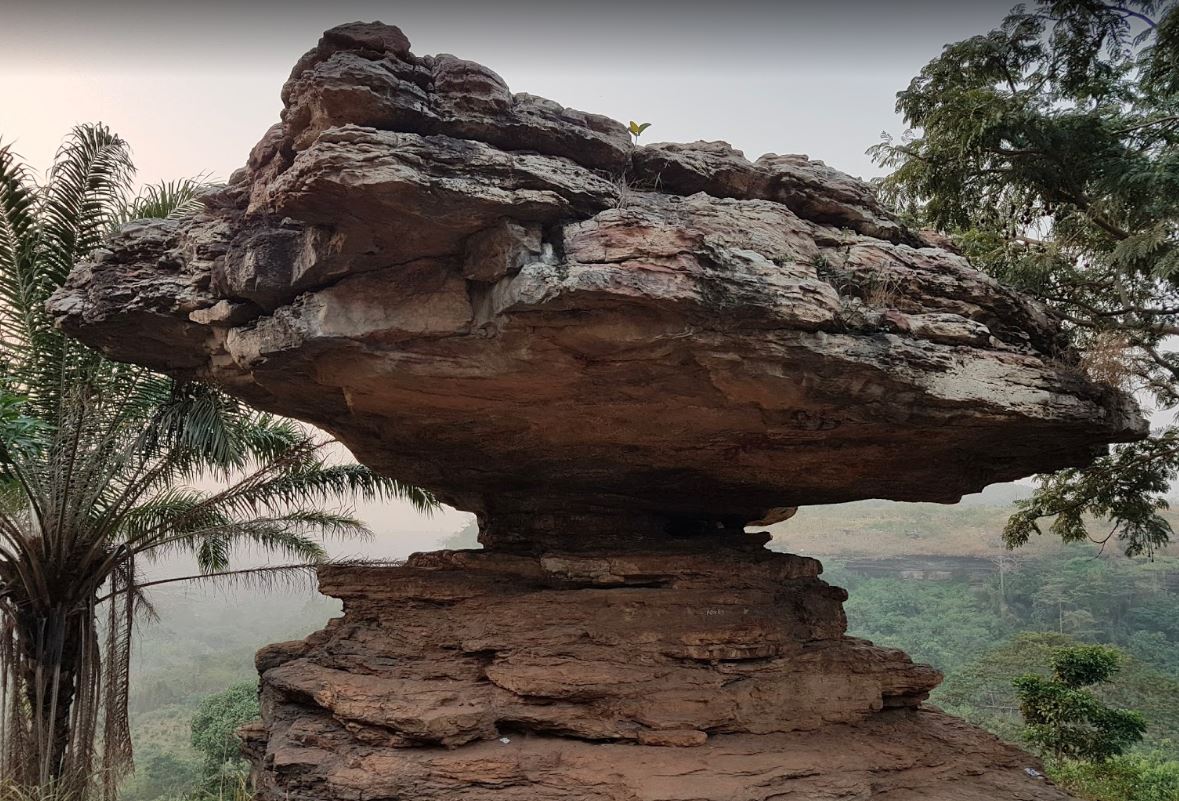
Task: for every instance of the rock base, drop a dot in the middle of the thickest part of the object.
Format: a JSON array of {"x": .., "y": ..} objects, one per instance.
[
  {"x": 897, "y": 755},
  {"x": 677, "y": 673}
]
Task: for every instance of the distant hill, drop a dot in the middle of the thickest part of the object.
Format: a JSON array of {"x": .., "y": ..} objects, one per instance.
[
  {"x": 970, "y": 528},
  {"x": 998, "y": 495}
]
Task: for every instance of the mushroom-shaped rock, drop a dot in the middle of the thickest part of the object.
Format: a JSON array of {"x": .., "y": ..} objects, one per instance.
[
  {"x": 618, "y": 356},
  {"x": 505, "y": 301}
]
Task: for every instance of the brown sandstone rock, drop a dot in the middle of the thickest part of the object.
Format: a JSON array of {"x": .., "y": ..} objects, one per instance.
[
  {"x": 720, "y": 673},
  {"x": 897, "y": 755},
  {"x": 473, "y": 289},
  {"x": 618, "y": 357}
]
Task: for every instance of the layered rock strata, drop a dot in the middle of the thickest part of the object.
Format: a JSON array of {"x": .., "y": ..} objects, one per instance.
[
  {"x": 618, "y": 357},
  {"x": 688, "y": 673},
  {"x": 474, "y": 289}
]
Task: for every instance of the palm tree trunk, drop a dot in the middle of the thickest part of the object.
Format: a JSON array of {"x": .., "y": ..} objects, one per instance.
[{"x": 53, "y": 646}]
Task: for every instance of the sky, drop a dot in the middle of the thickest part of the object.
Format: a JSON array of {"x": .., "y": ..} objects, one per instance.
[{"x": 192, "y": 86}]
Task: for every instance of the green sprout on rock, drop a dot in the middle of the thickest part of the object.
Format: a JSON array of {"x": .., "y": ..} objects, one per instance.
[{"x": 636, "y": 129}]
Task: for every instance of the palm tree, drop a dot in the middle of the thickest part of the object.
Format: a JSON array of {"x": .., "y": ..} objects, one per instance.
[{"x": 100, "y": 468}]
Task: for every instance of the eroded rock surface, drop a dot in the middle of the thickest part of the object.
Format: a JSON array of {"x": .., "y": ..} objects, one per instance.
[
  {"x": 719, "y": 673},
  {"x": 474, "y": 288},
  {"x": 896, "y": 755},
  {"x": 618, "y": 357}
]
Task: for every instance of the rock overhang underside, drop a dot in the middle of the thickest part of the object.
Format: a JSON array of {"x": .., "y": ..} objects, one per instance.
[{"x": 509, "y": 303}]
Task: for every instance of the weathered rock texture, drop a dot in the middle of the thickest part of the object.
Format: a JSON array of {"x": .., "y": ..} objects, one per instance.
[
  {"x": 618, "y": 357},
  {"x": 715, "y": 674},
  {"x": 475, "y": 290}
]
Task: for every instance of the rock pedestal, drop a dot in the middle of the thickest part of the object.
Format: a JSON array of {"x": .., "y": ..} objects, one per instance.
[
  {"x": 617, "y": 357},
  {"x": 685, "y": 673}
]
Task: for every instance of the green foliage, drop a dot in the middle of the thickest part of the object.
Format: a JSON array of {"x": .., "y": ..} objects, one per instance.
[
  {"x": 214, "y": 735},
  {"x": 1153, "y": 647},
  {"x": 983, "y": 634},
  {"x": 19, "y": 433},
  {"x": 165, "y": 200},
  {"x": 1122, "y": 778},
  {"x": 1049, "y": 148},
  {"x": 203, "y": 641},
  {"x": 160, "y": 773},
  {"x": 636, "y": 129},
  {"x": 980, "y": 675},
  {"x": 1127, "y": 486},
  {"x": 1083, "y": 665},
  {"x": 101, "y": 469},
  {"x": 1066, "y": 719},
  {"x": 218, "y": 718},
  {"x": 895, "y": 613}
]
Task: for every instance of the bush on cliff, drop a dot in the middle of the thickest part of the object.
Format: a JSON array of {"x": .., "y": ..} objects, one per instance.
[
  {"x": 214, "y": 735},
  {"x": 1124, "y": 778},
  {"x": 1063, "y": 717}
]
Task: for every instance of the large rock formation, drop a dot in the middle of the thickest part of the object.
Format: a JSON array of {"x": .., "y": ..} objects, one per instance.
[
  {"x": 714, "y": 674},
  {"x": 619, "y": 357}
]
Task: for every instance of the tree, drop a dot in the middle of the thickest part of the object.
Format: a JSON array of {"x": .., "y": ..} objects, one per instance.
[
  {"x": 1064, "y": 718},
  {"x": 1048, "y": 149},
  {"x": 1005, "y": 562},
  {"x": 99, "y": 465},
  {"x": 214, "y": 735},
  {"x": 894, "y": 612}
]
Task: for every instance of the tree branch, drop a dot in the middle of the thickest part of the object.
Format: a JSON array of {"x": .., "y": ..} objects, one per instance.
[
  {"x": 1130, "y": 13},
  {"x": 1160, "y": 121}
]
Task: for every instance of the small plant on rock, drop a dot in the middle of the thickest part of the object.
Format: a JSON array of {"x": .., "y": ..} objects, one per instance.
[{"x": 636, "y": 130}]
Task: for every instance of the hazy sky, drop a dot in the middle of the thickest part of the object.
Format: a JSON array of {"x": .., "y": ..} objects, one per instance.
[{"x": 193, "y": 85}]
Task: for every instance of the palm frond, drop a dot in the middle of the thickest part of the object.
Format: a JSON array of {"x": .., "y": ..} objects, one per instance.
[
  {"x": 197, "y": 420},
  {"x": 266, "y": 438},
  {"x": 175, "y": 513},
  {"x": 91, "y": 176},
  {"x": 167, "y": 199},
  {"x": 287, "y": 535},
  {"x": 265, "y": 577},
  {"x": 282, "y": 537},
  {"x": 216, "y": 431},
  {"x": 326, "y": 524},
  {"x": 317, "y": 483},
  {"x": 18, "y": 222},
  {"x": 212, "y": 553}
]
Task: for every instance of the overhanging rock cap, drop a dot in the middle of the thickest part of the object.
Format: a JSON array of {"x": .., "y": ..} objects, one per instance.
[{"x": 508, "y": 302}]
